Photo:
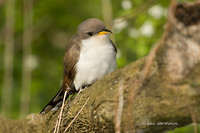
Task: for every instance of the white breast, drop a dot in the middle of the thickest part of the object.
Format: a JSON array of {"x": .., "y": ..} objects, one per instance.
[{"x": 97, "y": 58}]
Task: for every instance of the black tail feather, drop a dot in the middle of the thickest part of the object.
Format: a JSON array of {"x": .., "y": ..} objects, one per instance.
[{"x": 56, "y": 101}]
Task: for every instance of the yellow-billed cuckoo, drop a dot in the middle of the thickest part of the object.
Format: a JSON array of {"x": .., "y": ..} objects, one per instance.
[{"x": 89, "y": 56}]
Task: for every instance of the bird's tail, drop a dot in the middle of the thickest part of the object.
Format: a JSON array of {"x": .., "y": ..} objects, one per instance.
[{"x": 57, "y": 100}]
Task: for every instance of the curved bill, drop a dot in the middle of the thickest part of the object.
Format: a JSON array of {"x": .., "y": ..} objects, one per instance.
[{"x": 104, "y": 31}]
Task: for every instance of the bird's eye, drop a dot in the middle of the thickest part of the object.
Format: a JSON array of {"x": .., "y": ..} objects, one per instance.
[{"x": 90, "y": 33}]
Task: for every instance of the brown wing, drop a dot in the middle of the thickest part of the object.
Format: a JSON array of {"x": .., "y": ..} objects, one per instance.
[
  {"x": 70, "y": 59},
  {"x": 113, "y": 46}
]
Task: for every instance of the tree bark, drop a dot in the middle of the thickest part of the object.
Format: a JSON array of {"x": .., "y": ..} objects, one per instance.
[
  {"x": 8, "y": 58},
  {"x": 156, "y": 93},
  {"x": 27, "y": 55}
]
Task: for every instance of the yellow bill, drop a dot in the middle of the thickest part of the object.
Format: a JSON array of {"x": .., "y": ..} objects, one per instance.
[{"x": 103, "y": 32}]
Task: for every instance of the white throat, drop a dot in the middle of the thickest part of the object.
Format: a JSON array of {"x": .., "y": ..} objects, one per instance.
[{"x": 97, "y": 59}]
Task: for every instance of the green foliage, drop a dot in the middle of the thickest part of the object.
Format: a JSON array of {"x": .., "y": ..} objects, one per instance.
[{"x": 187, "y": 129}]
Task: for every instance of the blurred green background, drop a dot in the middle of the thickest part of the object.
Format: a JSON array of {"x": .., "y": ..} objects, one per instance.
[{"x": 33, "y": 35}]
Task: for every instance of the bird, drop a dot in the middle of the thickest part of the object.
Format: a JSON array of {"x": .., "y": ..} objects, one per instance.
[{"x": 90, "y": 55}]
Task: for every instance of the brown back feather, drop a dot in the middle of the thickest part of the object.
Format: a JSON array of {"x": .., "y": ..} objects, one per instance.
[{"x": 70, "y": 59}]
